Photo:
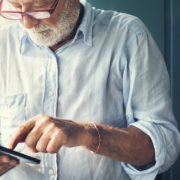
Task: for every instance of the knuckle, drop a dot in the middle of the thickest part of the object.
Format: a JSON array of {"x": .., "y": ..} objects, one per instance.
[
  {"x": 47, "y": 119},
  {"x": 52, "y": 149},
  {"x": 61, "y": 134},
  {"x": 53, "y": 126},
  {"x": 29, "y": 142},
  {"x": 43, "y": 118},
  {"x": 28, "y": 123},
  {"x": 21, "y": 128},
  {"x": 44, "y": 122},
  {"x": 41, "y": 149},
  {"x": 40, "y": 115}
]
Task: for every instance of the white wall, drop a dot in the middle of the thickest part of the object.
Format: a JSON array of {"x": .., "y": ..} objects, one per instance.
[
  {"x": 4, "y": 22},
  {"x": 5, "y": 7}
]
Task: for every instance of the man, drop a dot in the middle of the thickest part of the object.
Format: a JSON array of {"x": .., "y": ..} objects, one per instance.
[{"x": 76, "y": 80}]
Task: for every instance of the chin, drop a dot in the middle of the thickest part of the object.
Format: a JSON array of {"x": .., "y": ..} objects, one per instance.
[{"x": 44, "y": 38}]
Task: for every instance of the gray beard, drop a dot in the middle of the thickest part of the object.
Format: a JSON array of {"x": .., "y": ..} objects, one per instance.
[{"x": 45, "y": 35}]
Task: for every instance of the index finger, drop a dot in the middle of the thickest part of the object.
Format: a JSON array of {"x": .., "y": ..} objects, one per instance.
[{"x": 21, "y": 133}]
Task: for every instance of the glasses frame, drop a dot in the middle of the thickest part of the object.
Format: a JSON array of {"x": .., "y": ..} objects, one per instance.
[{"x": 50, "y": 11}]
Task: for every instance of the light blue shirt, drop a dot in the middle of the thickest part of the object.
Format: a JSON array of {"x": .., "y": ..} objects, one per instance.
[{"x": 111, "y": 73}]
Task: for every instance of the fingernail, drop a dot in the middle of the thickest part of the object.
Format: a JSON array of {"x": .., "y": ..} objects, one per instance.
[{"x": 5, "y": 160}]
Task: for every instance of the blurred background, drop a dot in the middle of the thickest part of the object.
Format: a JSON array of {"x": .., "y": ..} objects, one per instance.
[
  {"x": 5, "y": 7},
  {"x": 162, "y": 17}
]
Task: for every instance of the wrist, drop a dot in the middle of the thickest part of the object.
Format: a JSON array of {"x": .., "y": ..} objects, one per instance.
[
  {"x": 99, "y": 144},
  {"x": 89, "y": 138}
]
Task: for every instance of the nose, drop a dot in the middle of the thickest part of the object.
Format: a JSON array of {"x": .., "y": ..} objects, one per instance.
[{"x": 28, "y": 22}]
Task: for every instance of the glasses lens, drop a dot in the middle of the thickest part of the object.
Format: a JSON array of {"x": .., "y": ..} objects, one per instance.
[
  {"x": 14, "y": 16},
  {"x": 39, "y": 15}
]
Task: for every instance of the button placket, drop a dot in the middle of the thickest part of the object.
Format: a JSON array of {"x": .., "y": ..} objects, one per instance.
[
  {"x": 50, "y": 109},
  {"x": 51, "y": 171},
  {"x": 51, "y": 93}
]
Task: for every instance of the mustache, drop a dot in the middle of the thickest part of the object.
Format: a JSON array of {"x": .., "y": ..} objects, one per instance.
[{"x": 41, "y": 28}]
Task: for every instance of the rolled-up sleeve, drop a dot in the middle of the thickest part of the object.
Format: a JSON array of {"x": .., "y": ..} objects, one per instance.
[{"x": 148, "y": 104}]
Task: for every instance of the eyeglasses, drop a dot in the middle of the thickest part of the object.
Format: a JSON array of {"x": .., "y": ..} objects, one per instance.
[{"x": 15, "y": 15}]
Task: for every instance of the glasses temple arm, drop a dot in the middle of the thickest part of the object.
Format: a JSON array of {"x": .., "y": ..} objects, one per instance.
[
  {"x": 55, "y": 4},
  {"x": 1, "y": 2}
]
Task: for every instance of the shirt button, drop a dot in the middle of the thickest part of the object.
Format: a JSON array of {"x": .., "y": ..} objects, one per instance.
[
  {"x": 51, "y": 93},
  {"x": 51, "y": 171}
]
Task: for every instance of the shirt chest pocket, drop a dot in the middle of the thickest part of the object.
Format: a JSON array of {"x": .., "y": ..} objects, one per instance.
[{"x": 12, "y": 115}]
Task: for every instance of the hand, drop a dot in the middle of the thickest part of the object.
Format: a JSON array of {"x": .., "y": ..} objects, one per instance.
[
  {"x": 47, "y": 134},
  {"x": 6, "y": 164}
]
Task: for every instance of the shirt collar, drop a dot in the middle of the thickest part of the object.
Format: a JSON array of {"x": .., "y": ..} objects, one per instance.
[
  {"x": 87, "y": 23},
  {"x": 85, "y": 27}
]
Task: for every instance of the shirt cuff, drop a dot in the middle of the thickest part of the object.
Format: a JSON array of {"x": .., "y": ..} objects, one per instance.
[{"x": 156, "y": 134}]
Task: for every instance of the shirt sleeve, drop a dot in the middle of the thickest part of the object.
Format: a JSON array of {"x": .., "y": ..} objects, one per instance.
[{"x": 147, "y": 100}]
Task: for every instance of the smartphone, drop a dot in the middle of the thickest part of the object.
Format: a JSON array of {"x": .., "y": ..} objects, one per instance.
[{"x": 22, "y": 158}]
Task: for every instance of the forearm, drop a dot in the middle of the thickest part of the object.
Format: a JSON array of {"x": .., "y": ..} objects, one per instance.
[
  {"x": 44, "y": 133},
  {"x": 129, "y": 145}
]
